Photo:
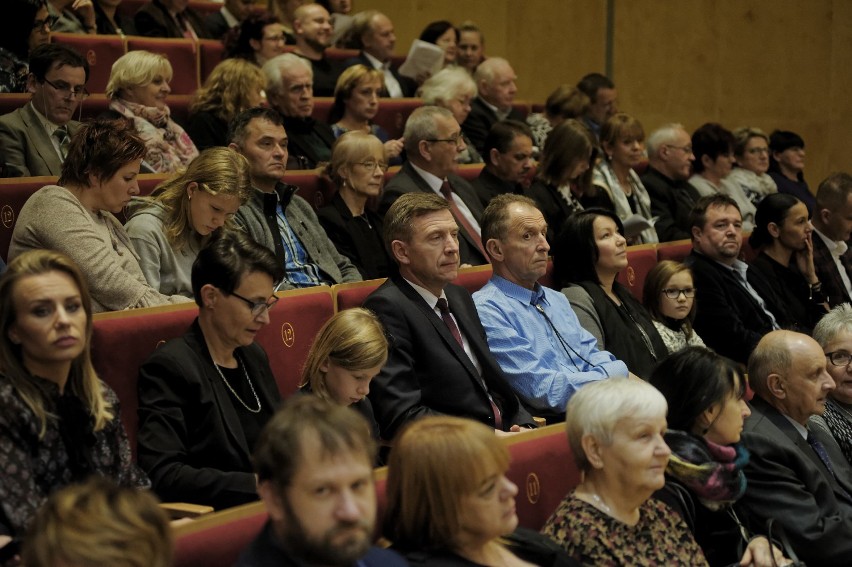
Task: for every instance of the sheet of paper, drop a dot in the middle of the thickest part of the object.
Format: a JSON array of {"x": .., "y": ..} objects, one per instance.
[{"x": 423, "y": 58}]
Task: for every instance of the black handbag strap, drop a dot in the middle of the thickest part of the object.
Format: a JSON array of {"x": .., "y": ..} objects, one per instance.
[{"x": 776, "y": 534}]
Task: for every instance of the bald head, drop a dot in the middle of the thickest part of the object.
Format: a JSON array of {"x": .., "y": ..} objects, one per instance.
[{"x": 495, "y": 80}]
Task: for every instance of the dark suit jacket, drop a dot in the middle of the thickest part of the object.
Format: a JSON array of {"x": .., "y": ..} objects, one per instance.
[
  {"x": 353, "y": 238},
  {"x": 408, "y": 85},
  {"x": 727, "y": 318},
  {"x": 191, "y": 441},
  {"x": 301, "y": 132},
  {"x": 671, "y": 202},
  {"x": 326, "y": 73},
  {"x": 488, "y": 186},
  {"x": 216, "y": 25},
  {"x": 154, "y": 20},
  {"x": 409, "y": 181},
  {"x": 427, "y": 372},
  {"x": 479, "y": 122},
  {"x": 552, "y": 206},
  {"x": 26, "y": 145},
  {"x": 207, "y": 130},
  {"x": 788, "y": 481},
  {"x": 828, "y": 275}
]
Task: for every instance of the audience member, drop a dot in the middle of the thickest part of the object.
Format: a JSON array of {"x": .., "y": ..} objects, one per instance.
[
  {"x": 275, "y": 216},
  {"x": 234, "y": 85},
  {"x": 450, "y": 503},
  {"x": 834, "y": 335},
  {"x": 443, "y": 34},
  {"x": 705, "y": 394},
  {"x": 373, "y": 34},
  {"x": 531, "y": 329},
  {"x": 563, "y": 103},
  {"x": 312, "y": 28},
  {"x": 603, "y": 101},
  {"x": 35, "y": 137},
  {"x": 204, "y": 397},
  {"x": 453, "y": 88},
  {"x": 433, "y": 140},
  {"x": 229, "y": 15},
  {"x": 99, "y": 523},
  {"x": 357, "y": 168},
  {"x": 356, "y": 102},
  {"x": 670, "y": 160},
  {"x": 314, "y": 468},
  {"x": 615, "y": 430},
  {"x": 439, "y": 361},
  {"x": 791, "y": 478},
  {"x": 283, "y": 10},
  {"x": 347, "y": 353},
  {"x": 471, "y": 47},
  {"x": 170, "y": 228},
  {"x": 669, "y": 297},
  {"x": 733, "y": 316},
  {"x": 509, "y": 151},
  {"x": 622, "y": 141},
  {"x": 590, "y": 252},
  {"x": 751, "y": 152},
  {"x": 783, "y": 237},
  {"x": 257, "y": 39},
  {"x": 110, "y": 21},
  {"x": 563, "y": 177},
  {"x": 290, "y": 92},
  {"x": 495, "y": 80},
  {"x": 72, "y": 16},
  {"x": 60, "y": 423},
  {"x": 137, "y": 88},
  {"x": 786, "y": 166},
  {"x": 341, "y": 20},
  {"x": 76, "y": 216},
  {"x": 713, "y": 148},
  {"x": 832, "y": 223},
  {"x": 26, "y": 26},
  {"x": 170, "y": 18}
]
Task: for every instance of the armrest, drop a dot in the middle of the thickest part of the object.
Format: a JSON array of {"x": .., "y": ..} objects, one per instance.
[{"x": 177, "y": 510}]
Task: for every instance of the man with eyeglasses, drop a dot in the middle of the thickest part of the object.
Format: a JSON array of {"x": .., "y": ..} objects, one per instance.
[
  {"x": 670, "y": 160},
  {"x": 433, "y": 141},
  {"x": 36, "y": 136},
  {"x": 495, "y": 80},
  {"x": 312, "y": 28}
]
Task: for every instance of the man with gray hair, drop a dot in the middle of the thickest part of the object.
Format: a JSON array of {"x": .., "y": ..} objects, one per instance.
[
  {"x": 832, "y": 220},
  {"x": 670, "y": 160},
  {"x": 791, "y": 476},
  {"x": 433, "y": 142},
  {"x": 495, "y": 80},
  {"x": 372, "y": 32},
  {"x": 290, "y": 92}
]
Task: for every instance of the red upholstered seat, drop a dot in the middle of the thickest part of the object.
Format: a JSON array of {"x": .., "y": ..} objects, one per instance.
[
  {"x": 314, "y": 188},
  {"x": 676, "y": 250},
  {"x": 473, "y": 278},
  {"x": 470, "y": 171},
  {"x": 393, "y": 112},
  {"x": 547, "y": 279},
  {"x": 14, "y": 192},
  {"x": 521, "y": 107},
  {"x": 100, "y": 51},
  {"x": 353, "y": 294},
  {"x": 339, "y": 55},
  {"x": 181, "y": 53},
  {"x": 205, "y": 7},
  {"x": 149, "y": 181},
  {"x": 13, "y": 101},
  {"x": 640, "y": 260},
  {"x": 216, "y": 540},
  {"x": 210, "y": 53}
]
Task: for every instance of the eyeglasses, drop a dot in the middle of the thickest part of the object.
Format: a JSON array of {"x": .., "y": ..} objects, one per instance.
[
  {"x": 839, "y": 358},
  {"x": 754, "y": 151},
  {"x": 67, "y": 91},
  {"x": 688, "y": 292},
  {"x": 373, "y": 165},
  {"x": 258, "y": 307},
  {"x": 685, "y": 149},
  {"x": 456, "y": 140},
  {"x": 48, "y": 22}
]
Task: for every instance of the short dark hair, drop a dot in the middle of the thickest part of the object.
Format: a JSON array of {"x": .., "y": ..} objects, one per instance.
[
  {"x": 403, "y": 211},
  {"x": 15, "y": 30},
  {"x": 592, "y": 83},
  {"x": 834, "y": 190},
  {"x": 100, "y": 148},
  {"x": 502, "y": 134},
  {"x": 237, "y": 39},
  {"x": 495, "y": 219},
  {"x": 698, "y": 214},
  {"x": 773, "y": 208},
  {"x": 779, "y": 141},
  {"x": 576, "y": 248},
  {"x": 238, "y": 126},
  {"x": 228, "y": 257},
  {"x": 43, "y": 57},
  {"x": 652, "y": 291},
  {"x": 711, "y": 140},
  {"x": 434, "y": 30}
]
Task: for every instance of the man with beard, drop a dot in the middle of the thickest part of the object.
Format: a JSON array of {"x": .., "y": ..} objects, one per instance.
[
  {"x": 314, "y": 466},
  {"x": 312, "y": 27}
]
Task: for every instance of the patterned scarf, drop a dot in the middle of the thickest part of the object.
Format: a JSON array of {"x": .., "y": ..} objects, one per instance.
[
  {"x": 840, "y": 423},
  {"x": 169, "y": 146},
  {"x": 712, "y": 472}
]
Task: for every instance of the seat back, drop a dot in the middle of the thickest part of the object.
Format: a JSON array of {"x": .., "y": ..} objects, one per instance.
[
  {"x": 353, "y": 294},
  {"x": 181, "y": 53},
  {"x": 14, "y": 192},
  {"x": 640, "y": 260},
  {"x": 216, "y": 540},
  {"x": 13, "y": 101},
  {"x": 100, "y": 52},
  {"x": 676, "y": 250},
  {"x": 210, "y": 54},
  {"x": 469, "y": 171},
  {"x": 93, "y": 107},
  {"x": 314, "y": 188},
  {"x": 473, "y": 278}
]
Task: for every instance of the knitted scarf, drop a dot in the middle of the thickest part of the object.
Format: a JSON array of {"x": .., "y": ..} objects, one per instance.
[{"x": 840, "y": 424}]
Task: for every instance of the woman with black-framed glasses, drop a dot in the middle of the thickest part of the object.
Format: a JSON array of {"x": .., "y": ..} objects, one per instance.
[
  {"x": 669, "y": 297},
  {"x": 25, "y": 25},
  {"x": 204, "y": 397}
]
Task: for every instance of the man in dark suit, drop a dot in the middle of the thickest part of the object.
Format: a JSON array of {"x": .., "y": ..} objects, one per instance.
[
  {"x": 433, "y": 142},
  {"x": 732, "y": 317},
  {"x": 495, "y": 80},
  {"x": 832, "y": 220},
  {"x": 603, "y": 98},
  {"x": 312, "y": 28},
  {"x": 35, "y": 137},
  {"x": 170, "y": 18},
  {"x": 670, "y": 160},
  {"x": 372, "y": 33},
  {"x": 791, "y": 476},
  {"x": 230, "y": 15},
  {"x": 439, "y": 360},
  {"x": 508, "y": 159}
]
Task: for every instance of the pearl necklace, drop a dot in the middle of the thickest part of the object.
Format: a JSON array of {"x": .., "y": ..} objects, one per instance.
[{"x": 225, "y": 380}]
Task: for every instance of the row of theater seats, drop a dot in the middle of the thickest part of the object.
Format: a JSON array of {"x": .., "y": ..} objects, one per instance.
[{"x": 541, "y": 465}]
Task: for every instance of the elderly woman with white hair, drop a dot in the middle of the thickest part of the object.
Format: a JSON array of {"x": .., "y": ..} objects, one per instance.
[
  {"x": 834, "y": 335},
  {"x": 453, "y": 88},
  {"x": 615, "y": 429},
  {"x": 138, "y": 86}
]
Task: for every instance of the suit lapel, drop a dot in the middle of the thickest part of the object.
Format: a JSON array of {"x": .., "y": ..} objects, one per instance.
[{"x": 42, "y": 145}]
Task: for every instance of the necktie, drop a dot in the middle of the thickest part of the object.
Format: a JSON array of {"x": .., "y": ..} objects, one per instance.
[
  {"x": 447, "y": 192},
  {"x": 444, "y": 308},
  {"x": 819, "y": 449},
  {"x": 61, "y": 135}
]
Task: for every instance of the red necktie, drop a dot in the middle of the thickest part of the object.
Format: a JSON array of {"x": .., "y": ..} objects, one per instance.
[{"x": 447, "y": 192}]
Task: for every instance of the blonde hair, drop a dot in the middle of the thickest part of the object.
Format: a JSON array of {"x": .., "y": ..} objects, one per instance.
[
  {"x": 99, "y": 523},
  {"x": 435, "y": 463},
  {"x": 353, "y": 339},
  {"x": 217, "y": 171},
  {"x": 83, "y": 381},
  {"x": 228, "y": 89},
  {"x": 135, "y": 69},
  {"x": 350, "y": 148}
]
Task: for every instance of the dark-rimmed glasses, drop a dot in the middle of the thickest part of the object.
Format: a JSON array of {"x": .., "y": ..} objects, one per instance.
[
  {"x": 258, "y": 307},
  {"x": 48, "y": 22},
  {"x": 63, "y": 88},
  {"x": 839, "y": 358},
  {"x": 688, "y": 292},
  {"x": 455, "y": 140}
]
